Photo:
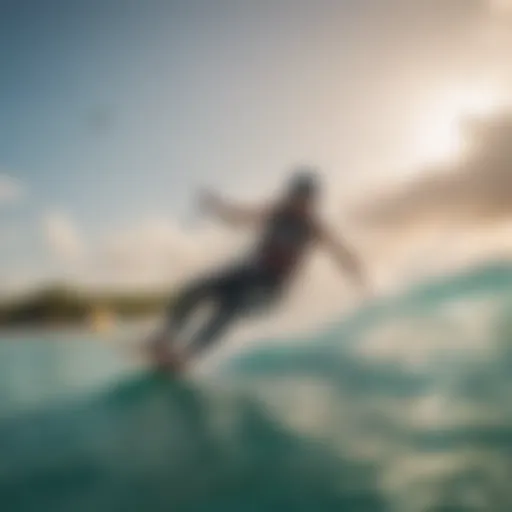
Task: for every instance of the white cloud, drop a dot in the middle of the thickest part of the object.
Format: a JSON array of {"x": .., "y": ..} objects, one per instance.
[
  {"x": 153, "y": 252},
  {"x": 476, "y": 189},
  {"x": 158, "y": 251},
  {"x": 63, "y": 238},
  {"x": 11, "y": 190}
]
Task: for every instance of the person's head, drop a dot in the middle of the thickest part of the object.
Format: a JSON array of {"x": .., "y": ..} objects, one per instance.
[{"x": 303, "y": 188}]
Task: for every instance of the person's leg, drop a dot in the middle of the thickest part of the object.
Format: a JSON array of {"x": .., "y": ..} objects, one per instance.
[
  {"x": 225, "y": 312},
  {"x": 214, "y": 287},
  {"x": 229, "y": 291},
  {"x": 188, "y": 300},
  {"x": 182, "y": 307},
  {"x": 225, "y": 315},
  {"x": 245, "y": 294},
  {"x": 222, "y": 288}
]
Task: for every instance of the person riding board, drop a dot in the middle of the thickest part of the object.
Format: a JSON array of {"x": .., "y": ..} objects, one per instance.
[{"x": 290, "y": 227}]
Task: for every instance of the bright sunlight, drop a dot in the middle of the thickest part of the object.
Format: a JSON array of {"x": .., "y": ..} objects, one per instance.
[{"x": 441, "y": 138}]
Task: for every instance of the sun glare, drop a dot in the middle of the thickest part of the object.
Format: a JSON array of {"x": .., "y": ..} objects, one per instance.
[{"x": 440, "y": 137}]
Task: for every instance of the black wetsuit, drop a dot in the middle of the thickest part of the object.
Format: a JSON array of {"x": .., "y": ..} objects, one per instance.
[{"x": 259, "y": 281}]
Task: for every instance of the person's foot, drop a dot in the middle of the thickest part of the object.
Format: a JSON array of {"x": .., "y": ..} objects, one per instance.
[
  {"x": 165, "y": 358},
  {"x": 156, "y": 346},
  {"x": 170, "y": 362},
  {"x": 157, "y": 342},
  {"x": 175, "y": 362}
]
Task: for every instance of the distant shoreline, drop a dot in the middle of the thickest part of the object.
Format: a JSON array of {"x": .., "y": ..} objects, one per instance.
[
  {"x": 77, "y": 330},
  {"x": 58, "y": 309}
]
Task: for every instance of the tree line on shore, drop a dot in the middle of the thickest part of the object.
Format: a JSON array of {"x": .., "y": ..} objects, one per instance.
[{"x": 59, "y": 305}]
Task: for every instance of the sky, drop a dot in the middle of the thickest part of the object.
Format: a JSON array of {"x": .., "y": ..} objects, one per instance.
[{"x": 114, "y": 112}]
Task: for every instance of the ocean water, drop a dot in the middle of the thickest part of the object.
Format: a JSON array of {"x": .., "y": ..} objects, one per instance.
[{"x": 404, "y": 406}]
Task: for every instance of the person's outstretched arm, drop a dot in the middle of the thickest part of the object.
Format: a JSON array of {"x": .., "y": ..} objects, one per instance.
[
  {"x": 234, "y": 214},
  {"x": 344, "y": 255}
]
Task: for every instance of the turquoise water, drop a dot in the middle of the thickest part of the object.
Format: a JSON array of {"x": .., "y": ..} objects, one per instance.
[{"x": 405, "y": 406}]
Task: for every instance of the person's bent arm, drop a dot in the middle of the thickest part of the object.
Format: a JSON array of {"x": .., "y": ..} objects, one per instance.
[
  {"x": 345, "y": 256},
  {"x": 231, "y": 213}
]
